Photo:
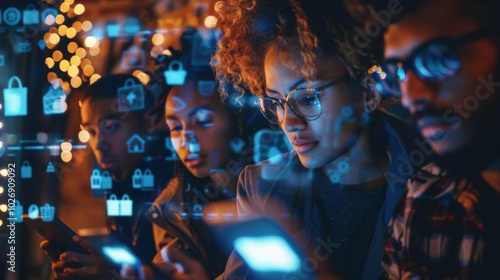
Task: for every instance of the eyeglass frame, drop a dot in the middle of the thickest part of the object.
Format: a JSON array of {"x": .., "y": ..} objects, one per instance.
[
  {"x": 281, "y": 102},
  {"x": 408, "y": 63}
]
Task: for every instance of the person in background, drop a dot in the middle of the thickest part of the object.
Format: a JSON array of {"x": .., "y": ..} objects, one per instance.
[
  {"x": 442, "y": 57},
  {"x": 207, "y": 135},
  {"x": 113, "y": 122},
  {"x": 350, "y": 160}
]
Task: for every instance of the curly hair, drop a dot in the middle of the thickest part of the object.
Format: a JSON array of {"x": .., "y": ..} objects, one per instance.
[{"x": 317, "y": 27}]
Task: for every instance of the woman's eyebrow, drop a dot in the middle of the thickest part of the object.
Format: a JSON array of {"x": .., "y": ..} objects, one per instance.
[{"x": 292, "y": 87}]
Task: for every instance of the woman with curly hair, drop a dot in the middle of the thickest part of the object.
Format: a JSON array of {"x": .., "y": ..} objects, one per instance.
[{"x": 350, "y": 160}]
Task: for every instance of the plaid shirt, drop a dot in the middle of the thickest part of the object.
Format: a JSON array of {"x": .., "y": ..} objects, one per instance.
[{"x": 437, "y": 231}]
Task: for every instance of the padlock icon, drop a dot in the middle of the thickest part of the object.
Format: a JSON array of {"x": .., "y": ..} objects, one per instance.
[
  {"x": 95, "y": 180},
  {"x": 126, "y": 206},
  {"x": 31, "y": 15},
  {"x": 33, "y": 212},
  {"x": 148, "y": 179},
  {"x": 18, "y": 212},
  {"x": 106, "y": 181},
  {"x": 26, "y": 171},
  {"x": 175, "y": 76},
  {"x": 137, "y": 179}
]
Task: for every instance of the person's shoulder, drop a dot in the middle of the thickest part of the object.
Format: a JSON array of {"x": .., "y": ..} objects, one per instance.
[{"x": 431, "y": 182}]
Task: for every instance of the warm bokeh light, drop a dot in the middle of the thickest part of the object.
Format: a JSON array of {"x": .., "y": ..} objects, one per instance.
[
  {"x": 86, "y": 25},
  {"x": 3, "y": 208},
  {"x": 76, "y": 82},
  {"x": 64, "y": 8},
  {"x": 66, "y": 146},
  {"x": 66, "y": 87},
  {"x": 62, "y": 30},
  {"x": 73, "y": 71},
  {"x": 1, "y": 189},
  {"x": 94, "y": 51},
  {"x": 85, "y": 62},
  {"x": 60, "y": 19},
  {"x": 167, "y": 52},
  {"x": 94, "y": 78},
  {"x": 141, "y": 76},
  {"x": 1, "y": 126},
  {"x": 1, "y": 143},
  {"x": 57, "y": 56},
  {"x": 158, "y": 39},
  {"x": 64, "y": 65},
  {"x": 51, "y": 76},
  {"x": 81, "y": 53},
  {"x": 49, "y": 62},
  {"x": 77, "y": 26},
  {"x": 88, "y": 70},
  {"x": 210, "y": 22},
  {"x": 4, "y": 172},
  {"x": 83, "y": 136},
  {"x": 79, "y": 9},
  {"x": 66, "y": 156},
  {"x": 50, "y": 19},
  {"x": 71, "y": 33},
  {"x": 72, "y": 47},
  {"x": 54, "y": 39},
  {"x": 75, "y": 60},
  {"x": 70, "y": 2},
  {"x": 91, "y": 42}
]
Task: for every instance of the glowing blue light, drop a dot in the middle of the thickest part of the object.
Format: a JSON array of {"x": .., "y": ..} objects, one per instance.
[
  {"x": 267, "y": 253},
  {"x": 421, "y": 68},
  {"x": 119, "y": 255}
]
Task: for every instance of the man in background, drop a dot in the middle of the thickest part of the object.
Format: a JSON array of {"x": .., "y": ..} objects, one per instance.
[{"x": 115, "y": 112}]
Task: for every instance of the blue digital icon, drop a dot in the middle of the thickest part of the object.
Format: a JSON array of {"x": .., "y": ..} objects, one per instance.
[
  {"x": 130, "y": 96},
  {"x": 133, "y": 58},
  {"x": 116, "y": 207},
  {"x": 136, "y": 144},
  {"x": 33, "y": 212},
  {"x": 178, "y": 105},
  {"x": 54, "y": 101},
  {"x": 137, "y": 179},
  {"x": 18, "y": 212},
  {"x": 50, "y": 168},
  {"x": 148, "y": 179},
  {"x": 15, "y": 98},
  {"x": 100, "y": 181},
  {"x": 132, "y": 26},
  {"x": 2, "y": 60},
  {"x": 26, "y": 170},
  {"x": 11, "y": 16},
  {"x": 19, "y": 44},
  {"x": 47, "y": 212},
  {"x": 175, "y": 74},
  {"x": 48, "y": 12},
  {"x": 206, "y": 88},
  {"x": 41, "y": 44},
  {"x": 31, "y": 15},
  {"x": 269, "y": 143},
  {"x": 236, "y": 145},
  {"x": 113, "y": 29},
  {"x": 168, "y": 145}
]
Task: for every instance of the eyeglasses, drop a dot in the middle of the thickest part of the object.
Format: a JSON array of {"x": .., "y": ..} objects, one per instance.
[
  {"x": 303, "y": 102},
  {"x": 431, "y": 62}
]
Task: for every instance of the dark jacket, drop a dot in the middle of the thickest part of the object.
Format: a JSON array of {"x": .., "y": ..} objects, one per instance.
[{"x": 280, "y": 180}]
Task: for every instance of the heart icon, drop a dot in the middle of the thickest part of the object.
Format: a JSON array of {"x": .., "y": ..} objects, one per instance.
[
  {"x": 42, "y": 44},
  {"x": 236, "y": 145}
]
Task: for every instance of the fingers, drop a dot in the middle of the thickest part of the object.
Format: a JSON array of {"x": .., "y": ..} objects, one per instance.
[
  {"x": 51, "y": 251},
  {"x": 186, "y": 267},
  {"x": 83, "y": 243}
]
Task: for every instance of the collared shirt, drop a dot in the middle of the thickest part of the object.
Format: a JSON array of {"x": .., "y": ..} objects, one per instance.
[{"x": 444, "y": 228}]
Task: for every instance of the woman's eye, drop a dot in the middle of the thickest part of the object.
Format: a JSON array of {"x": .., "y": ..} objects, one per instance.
[
  {"x": 206, "y": 123},
  {"x": 307, "y": 100}
]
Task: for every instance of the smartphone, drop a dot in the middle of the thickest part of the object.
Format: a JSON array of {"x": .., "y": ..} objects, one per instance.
[
  {"x": 264, "y": 246},
  {"x": 111, "y": 245},
  {"x": 57, "y": 233}
]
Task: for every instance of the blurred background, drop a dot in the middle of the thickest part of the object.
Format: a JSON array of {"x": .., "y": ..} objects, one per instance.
[{"x": 50, "y": 51}]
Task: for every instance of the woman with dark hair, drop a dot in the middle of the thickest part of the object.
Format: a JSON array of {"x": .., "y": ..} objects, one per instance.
[
  {"x": 350, "y": 160},
  {"x": 206, "y": 135}
]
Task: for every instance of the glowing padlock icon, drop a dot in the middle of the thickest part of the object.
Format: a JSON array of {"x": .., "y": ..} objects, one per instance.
[
  {"x": 15, "y": 99},
  {"x": 95, "y": 180},
  {"x": 175, "y": 74},
  {"x": 137, "y": 179},
  {"x": 26, "y": 170}
]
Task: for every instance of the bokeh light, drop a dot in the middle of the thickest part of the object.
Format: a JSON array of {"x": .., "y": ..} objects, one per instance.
[{"x": 83, "y": 136}]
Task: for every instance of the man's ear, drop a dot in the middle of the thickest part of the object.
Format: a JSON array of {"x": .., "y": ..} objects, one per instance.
[
  {"x": 150, "y": 122},
  {"x": 372, "y": 98}
]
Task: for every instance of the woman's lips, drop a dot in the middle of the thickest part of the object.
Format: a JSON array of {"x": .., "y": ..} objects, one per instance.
[
  {"x": 302, "y": 146},
  {"x": 194, "y": 162}
]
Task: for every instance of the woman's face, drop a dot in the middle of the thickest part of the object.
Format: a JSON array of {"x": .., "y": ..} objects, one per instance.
[
  {"x": 200, "y": 129},
  {"x": 321, "y": 141}
]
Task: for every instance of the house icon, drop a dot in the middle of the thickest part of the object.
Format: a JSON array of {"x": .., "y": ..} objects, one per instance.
[{"x": 135, "y": 144}]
